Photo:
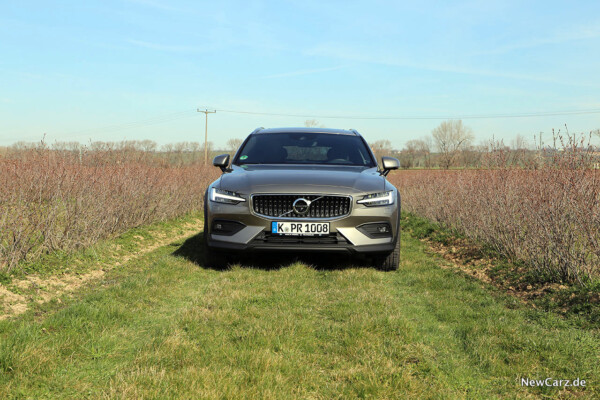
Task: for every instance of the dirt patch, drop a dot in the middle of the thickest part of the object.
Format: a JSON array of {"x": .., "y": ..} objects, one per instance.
[
  {"x": 461, "y": 256},
  {"x": 43, "y": 289},
  {"x": 12, "y": 303},
  {"x": 468, "y": 258}
]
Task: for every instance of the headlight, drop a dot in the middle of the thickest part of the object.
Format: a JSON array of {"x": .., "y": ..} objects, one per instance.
[
  {"x": 225, "y": 196},
  {"x": 378, "y": 199}
]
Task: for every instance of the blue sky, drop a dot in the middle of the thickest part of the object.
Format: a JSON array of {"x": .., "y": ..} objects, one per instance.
[{"x": 137, "y": 69}]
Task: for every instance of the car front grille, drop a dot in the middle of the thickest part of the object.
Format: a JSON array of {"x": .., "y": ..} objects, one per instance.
[{"x": 275, "y": 205}]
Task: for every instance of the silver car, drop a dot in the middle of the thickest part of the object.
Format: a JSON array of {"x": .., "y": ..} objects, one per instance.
[{"x": 303, "y": 190}]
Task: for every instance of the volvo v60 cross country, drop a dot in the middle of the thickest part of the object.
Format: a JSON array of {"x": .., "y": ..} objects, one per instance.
[{"x": 303, "y": 189}]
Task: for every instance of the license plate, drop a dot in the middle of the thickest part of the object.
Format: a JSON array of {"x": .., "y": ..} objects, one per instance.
[{"x": 300, "y": 228}]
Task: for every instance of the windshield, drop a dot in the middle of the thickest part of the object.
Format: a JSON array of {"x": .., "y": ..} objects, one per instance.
[{"x": 305, "y": 148}]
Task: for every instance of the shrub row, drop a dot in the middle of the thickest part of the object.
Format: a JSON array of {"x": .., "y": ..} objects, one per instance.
[
  {"x": 52, "y": 200},
  {"x": 547, "y": 218}
]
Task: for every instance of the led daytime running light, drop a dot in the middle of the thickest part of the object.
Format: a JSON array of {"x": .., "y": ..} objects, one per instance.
[
  {"x": 225, "y": 196},
  {"x": 378, "y": 199}
]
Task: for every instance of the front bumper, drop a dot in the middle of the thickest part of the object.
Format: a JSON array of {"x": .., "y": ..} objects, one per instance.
[
  {"x": 344, "y": 236},
  {"x": 301, "y": 247}
]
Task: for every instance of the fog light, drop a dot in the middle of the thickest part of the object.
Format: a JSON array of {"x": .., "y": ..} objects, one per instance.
[
  {"x": 376, "y": 230},
  {"x": 226, "y": 228}
]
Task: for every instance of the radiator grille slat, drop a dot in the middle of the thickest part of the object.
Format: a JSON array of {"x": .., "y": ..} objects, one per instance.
[{"x": 324, "y": 207}]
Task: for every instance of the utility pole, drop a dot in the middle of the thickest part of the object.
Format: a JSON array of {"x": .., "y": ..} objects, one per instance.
[{"x": 206, "y": 112}]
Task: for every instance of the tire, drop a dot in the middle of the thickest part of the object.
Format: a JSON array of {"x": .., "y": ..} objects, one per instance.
[
  {"x": 390, "y": 261},
  {"x": 212, "y": 258}
]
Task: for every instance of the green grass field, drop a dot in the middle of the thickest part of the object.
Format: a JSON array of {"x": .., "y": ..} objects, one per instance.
[{"x": 162, "y": 326}]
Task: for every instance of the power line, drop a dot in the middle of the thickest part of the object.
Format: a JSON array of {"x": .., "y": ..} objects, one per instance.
[
  {"x": 467, "y": 116},
  {"x": 135, "y": 124},
  {"x": 193, "y": 112}
]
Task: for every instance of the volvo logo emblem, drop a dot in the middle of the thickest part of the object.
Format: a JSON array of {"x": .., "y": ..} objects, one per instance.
[{"x": 301, "y": 206}]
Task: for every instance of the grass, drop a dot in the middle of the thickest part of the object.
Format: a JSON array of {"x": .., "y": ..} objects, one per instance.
[
  {"x": 104, "y": 251},
  {"x": 162, "y": 326},
  {"x": 577, "y": 303}
]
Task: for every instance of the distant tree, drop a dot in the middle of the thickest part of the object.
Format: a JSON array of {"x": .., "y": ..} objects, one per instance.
[
  {"x": 209, "y": 145},
  {"x": 381, "y": 148},
  {"x": 450, "y": 137},
  {"x": 409, "y": 154},
  {"x": 470, "y": 156},
  {"x": 67, "y": 146},
  {"x": 234, "y": 144},
  {"x": 416, "y": 152},
  {"x": 22, "y": 145},
  {"x": 311, "y": 123},
  {"x": 148, "y": 145},
  {"x": 166, "y": 148},
  {"x": 194, "y": 147},
  {"x": 520, "y": 150},
  {"x": 425, "y": 148},
  {"x": 101, "y": 146},
  {"x": 192, "y": 152},
  {"x": 519, "y": 143}
]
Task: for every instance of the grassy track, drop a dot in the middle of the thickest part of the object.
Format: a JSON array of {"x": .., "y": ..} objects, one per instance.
[{"x": 161, "y": 326}]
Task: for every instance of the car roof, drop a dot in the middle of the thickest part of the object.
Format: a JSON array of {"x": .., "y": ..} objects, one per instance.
[{"x": 307, "y": 130}]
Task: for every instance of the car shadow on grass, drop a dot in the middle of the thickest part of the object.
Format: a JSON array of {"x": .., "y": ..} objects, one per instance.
[{"x": 193, "y": 250}]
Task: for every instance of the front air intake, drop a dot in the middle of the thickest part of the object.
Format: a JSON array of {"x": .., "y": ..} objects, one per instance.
[{"x": 282, "y": 205}]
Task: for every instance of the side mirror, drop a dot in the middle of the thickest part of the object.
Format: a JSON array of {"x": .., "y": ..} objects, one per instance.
[
  {"x": 221, "y": 161},
  {"x": 388, "y": 164}
]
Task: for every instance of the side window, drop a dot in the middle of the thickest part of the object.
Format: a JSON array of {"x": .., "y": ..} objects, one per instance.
[{"x": 248, "y": 153}]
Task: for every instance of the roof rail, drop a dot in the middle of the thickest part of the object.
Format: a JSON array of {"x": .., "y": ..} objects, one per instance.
[
  {"x": 355, "y": 131},
  {"x": 258, "y": 129}
]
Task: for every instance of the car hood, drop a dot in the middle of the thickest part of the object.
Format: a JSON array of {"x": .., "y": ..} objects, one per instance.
[{"x": 251, "y": 179}]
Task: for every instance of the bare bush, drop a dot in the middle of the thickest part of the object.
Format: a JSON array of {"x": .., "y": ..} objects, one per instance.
[
  {"x": 69, "y": 198},
  {"x": 547, "y": 217}
]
